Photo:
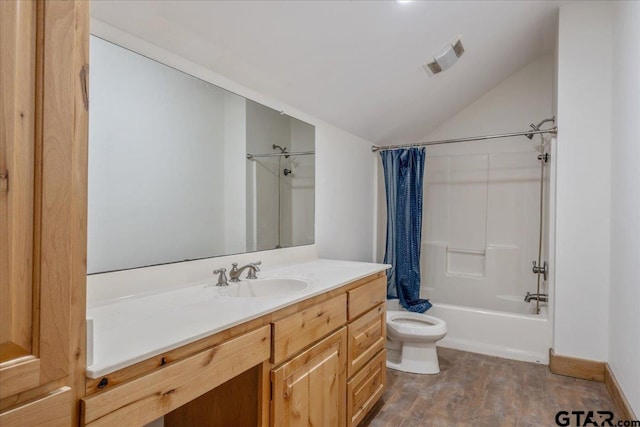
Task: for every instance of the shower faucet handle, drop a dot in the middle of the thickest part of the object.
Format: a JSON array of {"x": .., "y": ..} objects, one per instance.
[{"x": 543, "y": 269}]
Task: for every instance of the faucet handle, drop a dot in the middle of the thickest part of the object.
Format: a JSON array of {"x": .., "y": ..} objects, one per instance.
[
  {"x": 222, "y": 278},
  {"x": 253, "y": 267}
]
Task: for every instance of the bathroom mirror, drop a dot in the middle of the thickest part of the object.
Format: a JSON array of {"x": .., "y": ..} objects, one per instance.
[{"x": 181, "y": 169}]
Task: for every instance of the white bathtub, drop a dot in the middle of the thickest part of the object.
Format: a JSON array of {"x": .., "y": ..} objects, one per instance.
[{"x": 525, "y": 337}]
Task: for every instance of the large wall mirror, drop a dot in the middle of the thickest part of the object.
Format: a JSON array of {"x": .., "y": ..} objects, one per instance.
[{"x": 180, "y": 169}]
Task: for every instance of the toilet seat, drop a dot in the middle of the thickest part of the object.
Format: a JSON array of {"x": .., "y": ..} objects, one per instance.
[{"x": 415, "y": 326}]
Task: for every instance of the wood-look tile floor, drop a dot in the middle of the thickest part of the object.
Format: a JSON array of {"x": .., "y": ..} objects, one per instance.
[{"x": 477, "y": 390}]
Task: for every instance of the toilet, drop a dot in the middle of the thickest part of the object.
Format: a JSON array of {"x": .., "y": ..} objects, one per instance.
[{"x": 411, "y": 340}]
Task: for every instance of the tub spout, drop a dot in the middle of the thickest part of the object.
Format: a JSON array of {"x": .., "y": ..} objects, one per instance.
[{"x": 536, "y": 297}]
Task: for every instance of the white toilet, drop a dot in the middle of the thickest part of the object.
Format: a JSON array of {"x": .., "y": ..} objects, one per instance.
[{"x": 411, "y": 340}]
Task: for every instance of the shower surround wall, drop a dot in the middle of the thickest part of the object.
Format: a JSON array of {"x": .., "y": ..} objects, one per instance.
[
  {"x": 482, "y": 198},
  {"x": 481, "y": 228}
]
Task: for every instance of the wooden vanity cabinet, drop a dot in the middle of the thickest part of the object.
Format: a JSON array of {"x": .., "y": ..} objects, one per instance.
[
  {"x": 320, "y": 361},
  {"x": 337, "y": 380},
  {"x": 43, "y": 202}
]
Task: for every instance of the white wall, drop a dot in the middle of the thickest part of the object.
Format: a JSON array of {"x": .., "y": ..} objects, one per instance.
[
  {"x": 344, "y": 195},
  {"x": 344, "y": 170},
  {"x": 624, "y": 323},
  {"x": 524, "y": 97},
  {"x": 583, "y": 180}
]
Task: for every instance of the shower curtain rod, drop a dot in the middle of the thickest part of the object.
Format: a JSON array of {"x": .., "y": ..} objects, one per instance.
[
  {"x": 553, "y": 130},
  {"x": 299, "y": 153}
]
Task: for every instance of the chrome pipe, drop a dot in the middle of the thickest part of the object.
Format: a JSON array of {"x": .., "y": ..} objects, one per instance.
[{"x": 553, "y": 130}]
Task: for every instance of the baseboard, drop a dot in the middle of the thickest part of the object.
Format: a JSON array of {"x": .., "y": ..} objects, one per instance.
[
  {"x": 594, "y": 371},
  {"x": 623, "y": 408},
  {"x": 576, "y": 367}
]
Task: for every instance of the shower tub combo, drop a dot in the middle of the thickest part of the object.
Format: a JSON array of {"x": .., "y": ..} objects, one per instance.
[
  {"x": 485, "y": 245},
  {"x": 485, "y": 239}
]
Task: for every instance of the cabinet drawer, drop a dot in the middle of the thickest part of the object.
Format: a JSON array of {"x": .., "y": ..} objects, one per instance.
[
  {"x": 53, "y": 410},
  {"x": 367, "y": 296},
  {"x": 295, "y": 332},
  {"x": 367, "y": 336},
  {"x": 365, "y": 388},
  {"x": 146, "y": 398}
]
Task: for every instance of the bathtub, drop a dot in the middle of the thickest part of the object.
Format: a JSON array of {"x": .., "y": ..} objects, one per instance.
[
  {"x": 518, "y": 336},
  {"x": 525, "y": 337}
]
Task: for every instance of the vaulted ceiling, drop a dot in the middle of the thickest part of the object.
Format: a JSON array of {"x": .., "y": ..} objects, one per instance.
[{"x": 354, "y": 64}]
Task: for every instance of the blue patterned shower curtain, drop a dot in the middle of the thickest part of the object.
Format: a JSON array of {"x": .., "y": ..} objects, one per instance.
[{"x": 403, "y": 172}]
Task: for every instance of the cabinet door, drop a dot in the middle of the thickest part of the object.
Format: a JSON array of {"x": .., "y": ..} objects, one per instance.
[
  {"x": 19, "y": 368},
  {"x": 43, "y": 151},
  {"x": 310, "y": 389}
]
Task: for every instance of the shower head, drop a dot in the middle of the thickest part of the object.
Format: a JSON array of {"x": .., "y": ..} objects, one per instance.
[
  {"x": 282, "y": 150},
  {"x": 537, "y": 127}
]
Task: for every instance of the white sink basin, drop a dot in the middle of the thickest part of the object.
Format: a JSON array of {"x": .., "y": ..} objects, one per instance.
[{"x": 268, "y": 287}]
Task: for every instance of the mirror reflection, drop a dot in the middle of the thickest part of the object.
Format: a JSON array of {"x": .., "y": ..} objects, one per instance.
[{"x": 180, "y": 169}]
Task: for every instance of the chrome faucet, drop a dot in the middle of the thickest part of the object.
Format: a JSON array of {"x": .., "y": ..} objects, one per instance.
[
  {"x": 234, "y": 274},
  {"x": 536, "y": 297}
]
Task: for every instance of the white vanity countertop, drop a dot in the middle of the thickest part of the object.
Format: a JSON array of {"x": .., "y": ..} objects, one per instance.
[{"x": 128, "y": 330}]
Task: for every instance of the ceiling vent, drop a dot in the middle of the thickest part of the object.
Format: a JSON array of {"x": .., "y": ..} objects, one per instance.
[{"x": 445, "y": 59}]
